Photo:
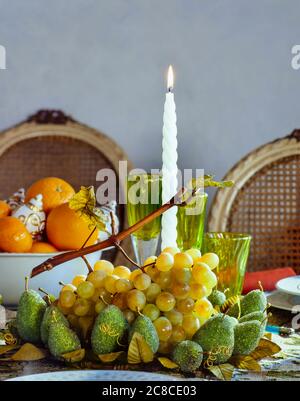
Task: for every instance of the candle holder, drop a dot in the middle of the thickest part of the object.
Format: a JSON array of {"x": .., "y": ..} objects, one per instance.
[{"x": 144, "y": 195}]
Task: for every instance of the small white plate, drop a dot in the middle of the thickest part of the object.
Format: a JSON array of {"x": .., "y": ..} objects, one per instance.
[
  {"x": 96, "y": 375},
  {"x": 281, "y": 300},
  {"x": 289, "y": 285}
]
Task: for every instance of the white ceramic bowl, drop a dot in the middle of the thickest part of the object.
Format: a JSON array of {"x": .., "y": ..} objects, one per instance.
[{"x": 14, "y": 267}]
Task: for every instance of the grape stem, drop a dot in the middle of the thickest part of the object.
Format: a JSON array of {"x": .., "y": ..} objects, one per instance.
[{"x": 116, "y": 239}]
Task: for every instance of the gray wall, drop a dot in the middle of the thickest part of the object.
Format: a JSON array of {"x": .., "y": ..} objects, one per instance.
[{"x": 104, "y": 62}]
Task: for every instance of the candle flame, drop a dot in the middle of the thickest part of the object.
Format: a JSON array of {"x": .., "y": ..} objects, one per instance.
[{"x": 170, "y": 78}]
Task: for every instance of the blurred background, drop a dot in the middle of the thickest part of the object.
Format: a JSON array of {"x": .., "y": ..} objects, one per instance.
[{"x": 105, "y": 63}]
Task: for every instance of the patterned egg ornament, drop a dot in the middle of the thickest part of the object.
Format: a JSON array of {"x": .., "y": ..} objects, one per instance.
[
  {"x": 32, "y": 216},
  {"x": 17, "y": 199}
]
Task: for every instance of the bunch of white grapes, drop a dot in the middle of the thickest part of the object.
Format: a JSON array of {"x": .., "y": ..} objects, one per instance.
[{"x": 170, "y": 289}]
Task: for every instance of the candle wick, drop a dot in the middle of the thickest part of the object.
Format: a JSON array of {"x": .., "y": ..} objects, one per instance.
[{"x": 170, "y": 89}]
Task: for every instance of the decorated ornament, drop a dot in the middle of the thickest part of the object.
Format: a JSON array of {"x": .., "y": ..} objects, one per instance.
[
  {"x": 32, "y": 216},
  {"x": 107, "y": 209},
  {"x": 17, "y": 199}
]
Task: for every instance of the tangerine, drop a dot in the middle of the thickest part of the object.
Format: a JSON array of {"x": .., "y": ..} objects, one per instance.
[
  {"x": 55, "y": 192},
  {"x": 4, "y": 209},
  {"x": 14, "y": 236},
  {"x": 66, "y": 230},
  {"x": 42, "y": 247}
]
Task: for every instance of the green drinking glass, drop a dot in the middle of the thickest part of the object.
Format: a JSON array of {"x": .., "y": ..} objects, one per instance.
[
  {"x": 233, "y": 251},
  {"x": 144, "y": 195},
  {"x": 190, "y": 227}
]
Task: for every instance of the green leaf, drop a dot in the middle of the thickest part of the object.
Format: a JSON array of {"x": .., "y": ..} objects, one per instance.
[
  {"x": 246, "y": 362},
  {"x": 223, "y": 371},
  {"x": 84, "y": 203},
  {"x": 265, "y": 348}
]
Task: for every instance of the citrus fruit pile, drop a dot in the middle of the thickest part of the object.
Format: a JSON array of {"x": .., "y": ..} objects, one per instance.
[{"x": 65, "y": 229}]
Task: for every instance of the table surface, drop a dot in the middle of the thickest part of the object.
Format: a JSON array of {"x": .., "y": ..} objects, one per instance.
[{"x": 286, "y": 365}]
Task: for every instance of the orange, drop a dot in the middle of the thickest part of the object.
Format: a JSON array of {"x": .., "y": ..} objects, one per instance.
[
  {"x": 4, "y": 209},
  {"x": 14, "y": 236},
  {"x": 42, "y": 247},
  {"x": 67, "y": 230},
  {"x": 55, "y": 192}
]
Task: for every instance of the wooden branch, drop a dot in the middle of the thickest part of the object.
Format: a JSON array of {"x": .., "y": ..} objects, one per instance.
[{"x": 114, "y": 239}]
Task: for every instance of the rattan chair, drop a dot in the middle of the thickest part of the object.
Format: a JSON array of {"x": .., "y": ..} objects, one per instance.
[
  {"x": 265, "y": 202},
  {"x": 50, "y": 143}
]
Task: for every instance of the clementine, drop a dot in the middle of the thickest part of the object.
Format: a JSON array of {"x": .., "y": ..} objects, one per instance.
[
  {"x": 67, "y": 230},
  {"x": 55, "y": 192},
  {"x": 4, "y": 209},
  {"x": 14, "y": 236},
  {"x": 42, "y": 247}
]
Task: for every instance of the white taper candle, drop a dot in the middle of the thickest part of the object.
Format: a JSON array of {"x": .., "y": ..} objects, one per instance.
[{"x": 169, "y": 168}]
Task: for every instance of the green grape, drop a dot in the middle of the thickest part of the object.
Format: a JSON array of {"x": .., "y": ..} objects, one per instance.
[
  {"x": 194, "y": 253},
  {"x": 129, "y": 315},
  {"x": 182, "y": 276},
  {"x": 185, "y": 305},
  {"x": 123, "y": 285},
  {"x": 165, "y": 347},
  {"x": 198, "y": 291},
  {"x": 178, "y": 335},
  {"x": 136, "y": 300},
  {"x": 142, "y": 282},
  {"x": 174, "y": 316},
  {"x": 164, "y": 262},
  {"x": 190, "y": 324},
  {"x": 80, "y": 278},
  {"x": 203, "y": 308},
  {"x": 165, "y": 301},
  {"x": 172, "y": 250},
  {"x": 180, "y": 291},
  {"x": 68, "y": 287},
  {"x": 97, "y": 278},
  {"x": 64, "y": 310},
  {"x": 163, "y": 327},
  {"x": 164, "y": 280},
  {"x": 152, "y": 272},
  {"x": 203, "y": 275},
  {"x": 152, "y": 292},
  {"x": 99, "y": 306},
  {"x": 103, "y": 295},
  {"x": 211, "y": 259},
  {"x": 85, "y": 324},
  {"x": 81, "y": 307},
  {"x": 86, "y": 290},
  {"x": 135, "y": 273},
  {"x": 120, "y": 300},
  {"x": 150, "y": 260},
  {"x": 182, "y": 260},
  {"x": 151, "y": 311},
  {"x": 67, "y": 299},
  {"x": 104, "y": 265},
  {"x": 110, "y": 283},
  {"x": 122, "y": 272}
]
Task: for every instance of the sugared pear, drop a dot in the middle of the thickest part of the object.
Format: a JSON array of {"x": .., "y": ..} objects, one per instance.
[
  {"x": 188, "y": 355},
  {"x": 216, "y": 336},
  {"x": 254, "y": 301},
  {"x": 246, "y": 337},
  {"x": 51, "y": 315},
  {"x": 217, "y": 298},
  {"x": 62, "y": 339},
  {"x": 30, "y": 314},
  {"x": 144, "y": 326}
]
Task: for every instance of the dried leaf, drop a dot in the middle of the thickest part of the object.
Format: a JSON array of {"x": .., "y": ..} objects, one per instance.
[
  {"x": 29, "y": 352},
  {"x": 74, "y": 356},
  {"x": 245, "y": 362},
  {"x": 265, "y": 348},
  {"x": 6, "y": 348},
  {"x": 268, "y": 336},
  {"x": 167, "y": 363},
  {"x": 223, "y": 371},
  {"x": 139, "y": 351},
  {"x": 84, "y": 203},
  {"x": 111, "y": 357}
]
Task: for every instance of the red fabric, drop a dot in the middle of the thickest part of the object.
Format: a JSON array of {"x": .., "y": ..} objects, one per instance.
[{"x": 268, "y": 278}]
